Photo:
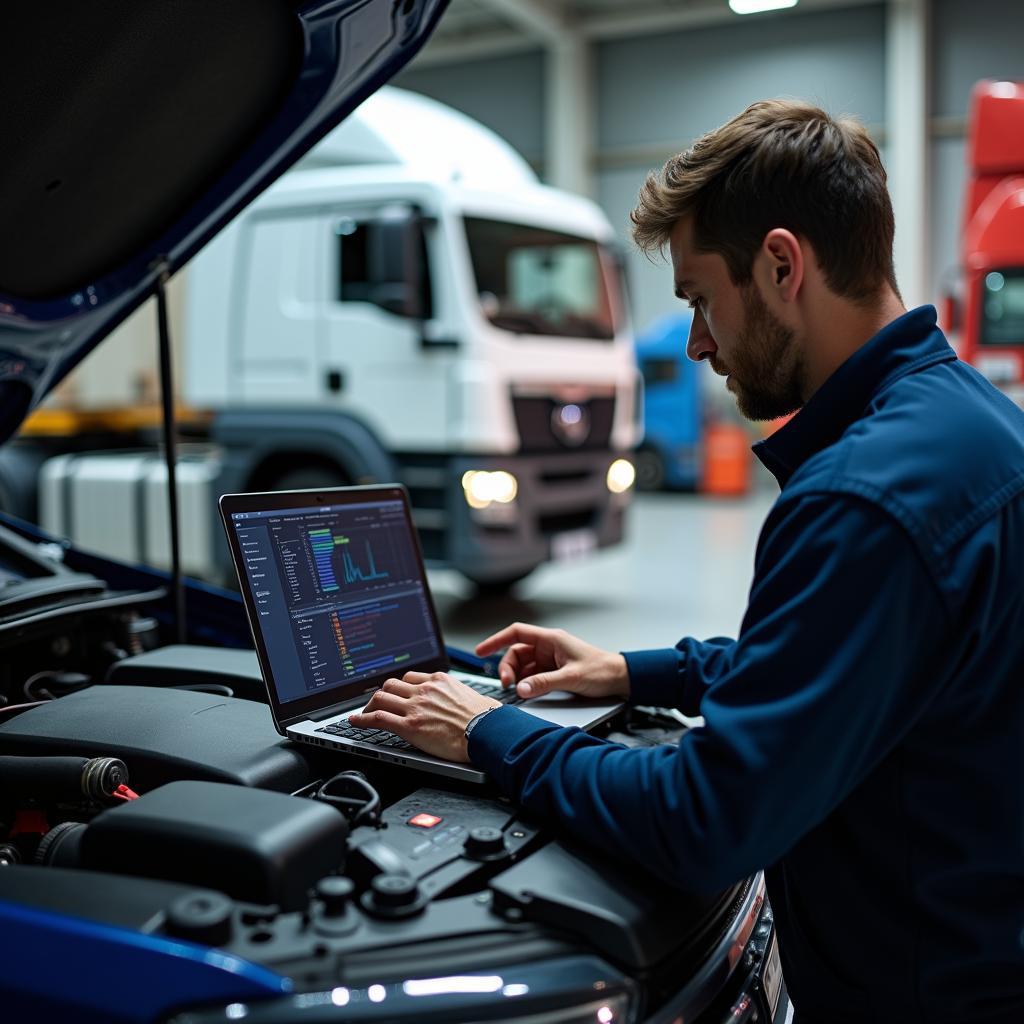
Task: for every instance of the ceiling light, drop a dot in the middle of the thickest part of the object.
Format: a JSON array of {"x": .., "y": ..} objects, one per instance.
[{"x": 757, "y": 6}]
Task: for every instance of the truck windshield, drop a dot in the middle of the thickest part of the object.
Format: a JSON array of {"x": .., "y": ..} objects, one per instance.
[
  {"x": 534, "y": 281},
  {"x": 1002, "y": 308}
]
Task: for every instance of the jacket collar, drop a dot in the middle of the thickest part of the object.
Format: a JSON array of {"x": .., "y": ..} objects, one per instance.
[{"x": 909, "y": 343}]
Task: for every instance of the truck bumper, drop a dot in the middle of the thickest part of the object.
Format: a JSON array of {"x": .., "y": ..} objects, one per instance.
[{"x": 563, "y": 509}]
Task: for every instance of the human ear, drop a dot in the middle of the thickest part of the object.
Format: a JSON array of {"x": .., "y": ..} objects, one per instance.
[{"x": 782, "y": 260}]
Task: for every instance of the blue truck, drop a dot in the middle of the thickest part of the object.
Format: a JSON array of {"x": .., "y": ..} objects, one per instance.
[{"x": 669, "y": 457}]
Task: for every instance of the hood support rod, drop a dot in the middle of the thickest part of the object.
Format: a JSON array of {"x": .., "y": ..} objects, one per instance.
[{"x": 170, "y": 450}]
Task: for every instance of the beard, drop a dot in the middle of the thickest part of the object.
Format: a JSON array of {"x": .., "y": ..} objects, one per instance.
[{"x": 766, "y": 372}]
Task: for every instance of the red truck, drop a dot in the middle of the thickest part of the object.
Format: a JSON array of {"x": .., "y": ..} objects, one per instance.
[{"x": 991, "y": 327}]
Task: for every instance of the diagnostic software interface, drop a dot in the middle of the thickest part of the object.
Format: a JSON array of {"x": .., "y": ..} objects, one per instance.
[{"x": 338, "y": 593}]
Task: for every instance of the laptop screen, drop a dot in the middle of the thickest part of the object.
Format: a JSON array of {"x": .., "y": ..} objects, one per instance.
[{"x": 338, "y": 594}]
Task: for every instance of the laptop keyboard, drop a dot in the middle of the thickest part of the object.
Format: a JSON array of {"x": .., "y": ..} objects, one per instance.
[
  {"x": 378, "y": 737},
  {"x": 505, "y": 695},
  {"x": 383, "y": 738}
]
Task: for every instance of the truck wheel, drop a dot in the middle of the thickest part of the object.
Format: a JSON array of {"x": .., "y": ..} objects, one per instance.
[
  {"x": 650, "y": 470},
  {"x": 303, "y": 478}
]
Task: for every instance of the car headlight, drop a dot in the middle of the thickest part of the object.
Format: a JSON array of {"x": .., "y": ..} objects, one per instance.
[{"x": 589, "y": 992}]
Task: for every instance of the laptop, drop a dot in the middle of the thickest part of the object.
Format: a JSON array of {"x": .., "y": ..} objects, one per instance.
[{"x": 338, "y": 602}]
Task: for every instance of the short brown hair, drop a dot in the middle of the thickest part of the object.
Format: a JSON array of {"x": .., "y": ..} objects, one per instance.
[{"x": 779, "y": 164}]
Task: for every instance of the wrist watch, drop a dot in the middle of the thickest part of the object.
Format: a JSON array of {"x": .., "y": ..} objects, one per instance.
[{"x": 473, "y": 722}]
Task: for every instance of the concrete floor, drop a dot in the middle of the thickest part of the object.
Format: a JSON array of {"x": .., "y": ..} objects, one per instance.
[{"x": 684, "y": 569}]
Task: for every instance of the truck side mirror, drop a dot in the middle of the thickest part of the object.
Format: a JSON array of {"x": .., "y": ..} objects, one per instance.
[
  {"x": 397, "y": 264},
  {"x": 951, "y": 304},
  {"x": 950, "y": 313}
]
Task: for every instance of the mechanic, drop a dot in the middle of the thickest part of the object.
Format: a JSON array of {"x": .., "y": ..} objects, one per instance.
[{"x": 863, "y": 737}]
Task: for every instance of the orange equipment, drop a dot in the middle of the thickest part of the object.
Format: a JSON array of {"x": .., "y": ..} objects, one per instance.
[{"x": 726, "y": 471}]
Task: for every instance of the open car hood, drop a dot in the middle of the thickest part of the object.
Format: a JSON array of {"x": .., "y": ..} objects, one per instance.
[{"x": 134, "y": 130}]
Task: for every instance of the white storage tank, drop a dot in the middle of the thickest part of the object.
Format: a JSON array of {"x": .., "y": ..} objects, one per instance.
[{"x": 115, "y": 504}]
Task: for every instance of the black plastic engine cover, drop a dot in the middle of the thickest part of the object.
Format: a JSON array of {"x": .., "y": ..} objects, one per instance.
[
  {"x": 164, "y": 735},
  {"x": 255, "y": 846},
  {"x": 189, "y": 663},
  {"x": 627, "y": 916},
  {"x": 429, "y": 836}
]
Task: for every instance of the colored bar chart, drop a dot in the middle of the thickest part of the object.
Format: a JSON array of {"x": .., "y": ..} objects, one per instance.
[
  {"x": 322, "y": 542},
  {"x": 339, "y": 639}
]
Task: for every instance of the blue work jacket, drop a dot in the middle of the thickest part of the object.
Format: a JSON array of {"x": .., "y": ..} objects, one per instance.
[{"x": 864, "y": 734}]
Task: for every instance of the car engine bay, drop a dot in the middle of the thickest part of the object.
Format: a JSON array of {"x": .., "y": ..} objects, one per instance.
[{"x": 145, "y": 797}]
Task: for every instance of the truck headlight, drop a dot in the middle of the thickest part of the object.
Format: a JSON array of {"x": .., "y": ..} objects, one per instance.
[
  {"x": 482, "y": 487},
  {"x": 621, "y": 475}
]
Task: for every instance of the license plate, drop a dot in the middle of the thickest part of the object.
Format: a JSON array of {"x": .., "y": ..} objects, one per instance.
[
  {"x": 771, "y": 976},
  {"x": 572, "y": 544}
]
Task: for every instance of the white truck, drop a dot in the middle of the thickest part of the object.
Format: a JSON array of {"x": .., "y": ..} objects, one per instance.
[{"x": 408, "y": 304}]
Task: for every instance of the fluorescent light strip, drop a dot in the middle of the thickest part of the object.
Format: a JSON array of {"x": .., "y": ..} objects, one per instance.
[{"x": 757, "y": 6}]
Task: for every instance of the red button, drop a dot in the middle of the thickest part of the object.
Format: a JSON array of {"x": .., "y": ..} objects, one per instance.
[{"x": 424, "y": 820}]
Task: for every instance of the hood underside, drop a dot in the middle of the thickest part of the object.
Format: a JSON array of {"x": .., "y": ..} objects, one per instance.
[{"x": 136, "y": 129}]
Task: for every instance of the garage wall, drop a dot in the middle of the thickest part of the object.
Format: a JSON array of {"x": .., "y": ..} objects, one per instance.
[
  {"x": 654, "y": 94},
  {"x": 504, "y": 93},
  {"x": 671, "y": 88}
]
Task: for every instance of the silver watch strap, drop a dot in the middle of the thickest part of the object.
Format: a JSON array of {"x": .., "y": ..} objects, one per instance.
[{"x": 476, "y": 718}]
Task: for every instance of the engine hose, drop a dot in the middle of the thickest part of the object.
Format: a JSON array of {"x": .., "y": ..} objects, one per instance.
[{"x": 46, "y": 779}]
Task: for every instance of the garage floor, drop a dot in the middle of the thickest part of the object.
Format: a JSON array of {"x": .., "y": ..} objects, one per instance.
[{"x": 684, "y": 569}]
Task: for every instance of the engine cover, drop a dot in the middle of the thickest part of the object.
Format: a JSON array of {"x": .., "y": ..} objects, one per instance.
[{"x": 164, "y": 735}]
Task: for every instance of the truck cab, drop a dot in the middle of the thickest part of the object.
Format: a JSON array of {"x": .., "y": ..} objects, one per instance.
[
  {"x": 670, "y": 456},
  {"x": 992, "y": 335},
  {"x": 414, "y": 305}
]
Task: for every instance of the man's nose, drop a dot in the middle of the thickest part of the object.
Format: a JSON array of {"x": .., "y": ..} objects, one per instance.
[{"x": 699, "y": 343}]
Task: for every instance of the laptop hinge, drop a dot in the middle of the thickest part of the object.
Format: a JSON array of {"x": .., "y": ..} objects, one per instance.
[{"x": 335, "y": 709}]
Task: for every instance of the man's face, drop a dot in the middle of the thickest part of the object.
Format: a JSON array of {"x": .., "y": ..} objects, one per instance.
[{"x": 737, "y": 333}]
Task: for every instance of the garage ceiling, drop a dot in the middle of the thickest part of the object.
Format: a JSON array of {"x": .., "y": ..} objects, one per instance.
[{"x": 478, "y": 28}]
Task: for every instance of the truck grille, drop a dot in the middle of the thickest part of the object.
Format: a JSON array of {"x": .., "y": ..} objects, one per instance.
[
  {"x": 535, "y": 419},
  {"x": 564, "y": 521}
]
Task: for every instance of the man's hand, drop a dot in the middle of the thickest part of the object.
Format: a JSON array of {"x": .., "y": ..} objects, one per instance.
[
  {"x": 539, "y": 660},
  {"x": 429, "y": 711}
]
